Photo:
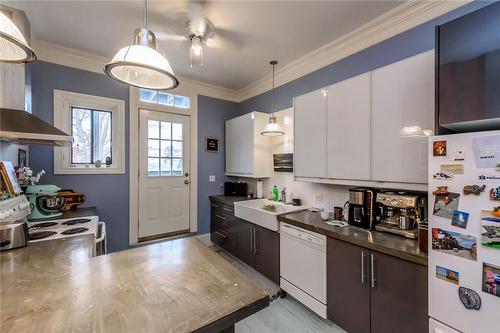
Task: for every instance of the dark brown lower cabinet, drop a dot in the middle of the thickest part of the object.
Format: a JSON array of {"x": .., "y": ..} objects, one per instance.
[
  {"x": 368, "y": 291},
  {"x": 256, "y": 246}
]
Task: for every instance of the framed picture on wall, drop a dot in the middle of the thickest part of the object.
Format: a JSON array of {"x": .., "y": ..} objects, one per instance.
[
  {"x": 21, "y": 158},
  {"x": 9, "y": 177},
  {"x": 212, "y": 145}
]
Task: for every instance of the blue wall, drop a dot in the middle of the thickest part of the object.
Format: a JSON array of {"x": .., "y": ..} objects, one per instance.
[
  {"x": 404, "y": 45},
  {"x": 109, "y": 193},
  {"x": 212, "y": 114}
]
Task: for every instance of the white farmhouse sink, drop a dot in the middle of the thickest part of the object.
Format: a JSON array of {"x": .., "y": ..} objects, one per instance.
[{"x": 253, "y": 211}]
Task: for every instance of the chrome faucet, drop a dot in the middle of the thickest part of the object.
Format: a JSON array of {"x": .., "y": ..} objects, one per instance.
[{"x": 283, "y": 195}]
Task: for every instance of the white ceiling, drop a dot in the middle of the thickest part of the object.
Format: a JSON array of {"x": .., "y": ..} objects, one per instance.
[{"x": 260, "y": 30}]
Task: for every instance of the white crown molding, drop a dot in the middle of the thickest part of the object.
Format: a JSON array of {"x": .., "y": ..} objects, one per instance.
[
  {"x": 93, "y": 63},
  {"x": 402, "y": 18}
]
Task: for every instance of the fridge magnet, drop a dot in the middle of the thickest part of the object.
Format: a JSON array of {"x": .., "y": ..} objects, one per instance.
[
  {"x": 212, "y": 145},
  {"x": 491, "y": 279},
  {"x": 486, "y": 151},
  {"x": 490, "y": 234},
  {"x": 495, "y": 193},
  {"x": 457, "y": 155},
  {"x": 491, "y": 215},
  {"x": 455, "y": 169},
  {"x": 489, "y": 178},
  {"x": 474, "y": 189},
  {"x": 444, "y": 205},
  {"x": 469, "y": 298},
  {"x": 443, "y": 176},
  {"x": 446, "y": 274},
  {"x": 454, "y": 243},
  {"x": 440, "y": 190},
  {"x": 460, "y": 219},
  {"x": 439, "y": 148},
  {"x": 497, "y": 168}
]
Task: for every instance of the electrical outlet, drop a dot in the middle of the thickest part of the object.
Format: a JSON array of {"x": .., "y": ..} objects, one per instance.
[{"x": 211, "y": 178}]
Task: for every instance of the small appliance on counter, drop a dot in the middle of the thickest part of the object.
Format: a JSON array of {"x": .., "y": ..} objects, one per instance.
[
  {"x": 71, "y": 199},
  {"x": 400, "y": 214},
  {"x": 235, "y": 189},
  {"x": 45, "y": 202},
  {"x": 361, "y": 204},
  {"x": 13, "y": 223}
]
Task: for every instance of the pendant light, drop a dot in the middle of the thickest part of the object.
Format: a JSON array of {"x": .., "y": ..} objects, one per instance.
[
  {"x": 140, "y": 64},
  {"x": 13, "y": 45},
  {"x": 415, "y": 132},
  {"x": 272, "y": 128}
]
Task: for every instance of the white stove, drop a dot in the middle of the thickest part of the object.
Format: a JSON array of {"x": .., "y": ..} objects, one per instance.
[{"x": 62, "y": 228}]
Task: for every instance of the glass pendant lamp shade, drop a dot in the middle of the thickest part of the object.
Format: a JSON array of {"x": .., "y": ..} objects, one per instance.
[
  {"x": 141, "y": 65},
  {"x": 13, "y": 45},
  {"x": 414, "y": 132},
  {"x": 272, "y": 128}
]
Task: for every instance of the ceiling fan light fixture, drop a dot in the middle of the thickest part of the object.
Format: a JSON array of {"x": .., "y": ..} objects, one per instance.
[
  {"x": 13, "y": 45},
  {"x": 196, "y": 50},
  {"x": 140, "y": 64}
]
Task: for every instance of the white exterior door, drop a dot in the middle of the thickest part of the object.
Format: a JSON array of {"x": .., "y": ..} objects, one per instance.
[{"x": 164, "y": 173}]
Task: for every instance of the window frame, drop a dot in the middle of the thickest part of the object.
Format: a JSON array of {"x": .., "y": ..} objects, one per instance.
[{"x": 64, "y": 102}]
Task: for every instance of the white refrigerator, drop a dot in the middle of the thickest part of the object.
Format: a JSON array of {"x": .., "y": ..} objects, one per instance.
[{"x": 464, "y": 233}]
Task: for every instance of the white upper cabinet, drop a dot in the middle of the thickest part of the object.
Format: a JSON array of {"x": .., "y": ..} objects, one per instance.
[
  {"x": 247, "y": 151},
  {"x": 402, "y": 95},
  {"x": 348, "y": 124},
  {"x": 310, "y": 134}
]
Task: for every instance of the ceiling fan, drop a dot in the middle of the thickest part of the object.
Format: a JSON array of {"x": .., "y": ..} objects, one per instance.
[{"x": 196, "y": 30}]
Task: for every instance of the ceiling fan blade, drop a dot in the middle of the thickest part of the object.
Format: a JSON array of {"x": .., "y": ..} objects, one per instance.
[
  {"x": 165, "y": 36},
  {"x": 222, "y": 38}
]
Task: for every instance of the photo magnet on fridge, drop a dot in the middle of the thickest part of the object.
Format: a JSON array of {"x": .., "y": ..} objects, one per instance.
[
  {"x": 486, "y": 151},
  {"x": 460, "y": 219},
  {"x": 445, "y": 204},
  {"x": 454, "y": 243},
  {"x": 469, "y": 298},
  {"x": 490, "y": 234},
  {"x": 491, "y": 215},
  {"x": 491, "y": 279},
  {"x": 455, "y": 169},
  {"x": 446, "y": 274},
  {"x": 439, "y": 148},
  {"x": 457, "y": 155}
]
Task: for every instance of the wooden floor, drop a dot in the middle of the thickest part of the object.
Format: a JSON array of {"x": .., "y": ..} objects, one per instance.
[{"x": 286, "y": 315}]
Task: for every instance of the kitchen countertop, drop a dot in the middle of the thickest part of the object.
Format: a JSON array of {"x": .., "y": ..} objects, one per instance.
[
  {"x": 227, "y": 200},
  {"x": 174, "y": 286},
  {"x": 379, "y": 241},
  {"x": 73, "y": 213}
]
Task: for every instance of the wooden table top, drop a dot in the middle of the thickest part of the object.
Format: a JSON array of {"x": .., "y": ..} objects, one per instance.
[{"x": 175, "y": 286}]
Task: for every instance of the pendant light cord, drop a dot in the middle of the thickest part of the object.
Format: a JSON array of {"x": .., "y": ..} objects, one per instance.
[
  {"x": 145, "y": 14},
  {"x": 272, "y": 104}
]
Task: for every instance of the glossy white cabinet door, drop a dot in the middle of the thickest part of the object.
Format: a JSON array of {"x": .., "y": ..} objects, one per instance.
[
  {"x": 310, "y": 134},
  {"x": 240, "y": 145},
  {"x": 402, "y": 95},
  {"x": 349, "y": 132}
]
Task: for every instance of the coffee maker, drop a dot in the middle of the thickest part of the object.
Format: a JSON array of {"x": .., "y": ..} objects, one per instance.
[
  {"x": 400, "y": 213},
  {"x": 361, "y": 206}
]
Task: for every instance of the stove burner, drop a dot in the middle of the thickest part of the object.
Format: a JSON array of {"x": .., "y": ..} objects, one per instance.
[
  {"x": 76, "y": 221},
  {"x": 74, "y": 231},
  {"x": 41, "y": 234},
  {"x": 42, "y": 225}
]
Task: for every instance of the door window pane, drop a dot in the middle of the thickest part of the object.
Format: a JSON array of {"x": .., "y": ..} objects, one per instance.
[
  {"x": 177, "y": 148},
  {"x": 182, "y": 102},
  {"x": 148, "y": 96},
  {"x": 153, "y": 166},
  {"x": 177, "y": 167},
  {"x": 153, "y": 148},
  {"x": 176, "y": 131},
  {"x": 102, "y": 135},
  {"x": 165, "y": 99},
  {"x": 166, "y": 166},
  {"x": 153, "y": 129},
  {"x": 166, "y": 148},
  {"x": 166, "y": 130}
]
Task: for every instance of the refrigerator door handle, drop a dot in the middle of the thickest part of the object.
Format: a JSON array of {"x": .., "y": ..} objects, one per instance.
[
  {"x": 363, "y": 274},
  {"x": 373, "y": 271}
]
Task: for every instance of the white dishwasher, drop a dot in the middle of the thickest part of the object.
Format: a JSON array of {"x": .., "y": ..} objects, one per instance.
[{"x": 303, "y": 266}]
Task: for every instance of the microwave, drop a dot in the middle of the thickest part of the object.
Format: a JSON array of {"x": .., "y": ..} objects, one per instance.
[{"x": 235, "y": 189}]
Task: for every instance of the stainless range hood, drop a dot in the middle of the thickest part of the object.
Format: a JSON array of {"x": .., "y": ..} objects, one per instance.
[{"x": 21, "y": 127}]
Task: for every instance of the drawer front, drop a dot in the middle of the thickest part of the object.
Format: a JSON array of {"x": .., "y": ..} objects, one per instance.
[
  {"x": 228, "y": 210},
  {"x": 225, "y": 240}
]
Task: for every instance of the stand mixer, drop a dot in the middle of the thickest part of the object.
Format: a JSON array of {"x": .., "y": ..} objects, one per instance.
[{"x": 44, "y": 201}]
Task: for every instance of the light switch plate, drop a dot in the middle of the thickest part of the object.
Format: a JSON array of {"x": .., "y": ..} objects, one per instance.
[{"x": 211, "y": 178}]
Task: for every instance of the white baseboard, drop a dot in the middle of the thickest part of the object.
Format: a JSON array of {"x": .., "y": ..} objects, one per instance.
[{"x": 205, "y": 239}]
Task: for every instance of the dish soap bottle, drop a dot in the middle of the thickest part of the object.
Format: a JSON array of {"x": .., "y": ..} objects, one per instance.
[{"x": 276, "y": 193}]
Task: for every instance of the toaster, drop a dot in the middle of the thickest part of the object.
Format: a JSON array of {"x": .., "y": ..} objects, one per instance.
[
  {"x": 235, "y": 189},
  {"x": 13, "y": 234}
]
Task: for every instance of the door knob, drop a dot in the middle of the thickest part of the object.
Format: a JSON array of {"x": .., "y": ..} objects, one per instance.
[{"x": 187, "y": 182}]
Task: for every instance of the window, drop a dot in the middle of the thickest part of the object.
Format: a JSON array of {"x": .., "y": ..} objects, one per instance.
[
  {"x": 163, "y": 98},
  {"x": 165, "y": 153},
  {"x": 91, "y": 134},
  {"x": 97, "y": 127}
]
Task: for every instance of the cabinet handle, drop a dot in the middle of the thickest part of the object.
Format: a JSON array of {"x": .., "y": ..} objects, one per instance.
[
  {"x": 255, "y": 240},
  {"x": 215, "y": 206},
  {"x": 363, "y": 275},
  {"x": 220, "y": 235},
  {"x": 221, "y": 217},
  {"x": 374, "y": 279},
  {"x": 251, "y": 240},
  {"x": 228, "y": 210}
]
